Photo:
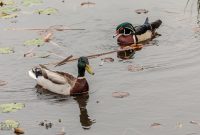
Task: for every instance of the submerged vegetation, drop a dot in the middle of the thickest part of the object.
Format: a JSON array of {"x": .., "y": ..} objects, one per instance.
[{"x": 198, "y": 9}]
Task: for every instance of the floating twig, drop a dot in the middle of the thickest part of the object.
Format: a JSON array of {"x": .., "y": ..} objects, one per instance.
[
  {"x": 41, "y": 29},
  {"x": 63, "y": 61},
  {"x": 133, "y": 47}
]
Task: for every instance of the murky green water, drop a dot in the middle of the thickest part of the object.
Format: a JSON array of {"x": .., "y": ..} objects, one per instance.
[{"x": 165, "y": 92}]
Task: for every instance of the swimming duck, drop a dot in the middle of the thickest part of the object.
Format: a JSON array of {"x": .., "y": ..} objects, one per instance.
[
  {"x": 63, "y": 83},
  {"x": 127, "y": 34}
]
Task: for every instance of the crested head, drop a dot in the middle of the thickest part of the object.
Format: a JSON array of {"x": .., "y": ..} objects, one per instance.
[{"x": 125, "y": 28}]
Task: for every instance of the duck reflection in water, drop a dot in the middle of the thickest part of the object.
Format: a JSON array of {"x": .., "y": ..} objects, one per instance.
[
  {"x": 85, "y": 120},
  {"x": 81, "y": 99}
]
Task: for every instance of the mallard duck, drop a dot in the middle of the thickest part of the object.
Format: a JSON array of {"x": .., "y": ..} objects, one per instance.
[
  {"x": 63, "y": 83},
  {"x": 127, "y": 34}
]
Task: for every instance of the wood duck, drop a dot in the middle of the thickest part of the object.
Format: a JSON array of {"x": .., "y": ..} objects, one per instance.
[{"x": 127, "y": 34}]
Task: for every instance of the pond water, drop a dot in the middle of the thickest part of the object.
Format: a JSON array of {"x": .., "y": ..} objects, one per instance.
[{"x": 166, "y": 91}]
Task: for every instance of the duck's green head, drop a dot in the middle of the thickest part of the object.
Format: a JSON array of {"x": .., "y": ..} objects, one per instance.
[
  {"x": 125, "y": 28},
  {"x": 83, "y": 64}
]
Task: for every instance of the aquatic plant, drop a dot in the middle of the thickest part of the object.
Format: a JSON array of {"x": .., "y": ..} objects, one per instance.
[
  {"x": 34, "y": 42},
  {"x": 6, "y": 50},
  {"x": 47, "y": 11},
  {"x": 9, "y": 125},
  {"x": 11, "y": 107}
]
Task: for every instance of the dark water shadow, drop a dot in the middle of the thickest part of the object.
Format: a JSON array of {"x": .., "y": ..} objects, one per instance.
[
  {"x": 85, "y": 120},
  {"x": 43, "y": 94},
  {"x": 81, "y": 100}
]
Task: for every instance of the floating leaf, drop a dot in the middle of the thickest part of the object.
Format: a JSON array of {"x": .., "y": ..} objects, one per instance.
[
  {"x": 18, "y": 131},
  {"x": 7, "y": 2},
  {"x": 47, "y": 11},
  {"x": 9, "y": 16},
  {"x": 2, "y": 83},
  {"x": 31, "y": 2},
  {"x": 140, "y": 11},
  {"x": 107, "y": 59},
  {"x": 9, "y": 125},
  {"x": 34, "y": 42},
  {"x": 156, "y": 125},
  {"x": 11, "y": 107},
  {"x": 8, "y": 12},
  {"x": 120, "y": 94},
  {"x": 29, "y": 54},
  {"x": 6, "y": 50},
  {"x": 9, "y": 9},
  {"x": 87, "y": 3},
  {"x": 134, "y": 68}
]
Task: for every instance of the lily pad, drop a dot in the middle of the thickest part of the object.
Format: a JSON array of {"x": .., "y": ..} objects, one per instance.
[
  {"x": 34, "y": 42},
  {"x": 120, "y": 94},
  {"x": 7, "y": 2},
  {"x": 11, "y": 107},
  {"x": 6, "y": 50},
  {"x": 8, "y": 12},
  {"x": 8, "y": 16},
  {"x": 31, "y": 2},
  {"x": 47, "y": 11},
  {"x": 9, "y": 9},
  {"x": 9, "y": 125}
]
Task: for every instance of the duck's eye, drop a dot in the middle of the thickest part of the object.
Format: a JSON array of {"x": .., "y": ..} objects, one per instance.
[{"x": 127, "y": 31}]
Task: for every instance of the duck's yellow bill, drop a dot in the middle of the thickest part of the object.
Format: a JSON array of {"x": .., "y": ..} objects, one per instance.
[{"x": 89, "y": 69}]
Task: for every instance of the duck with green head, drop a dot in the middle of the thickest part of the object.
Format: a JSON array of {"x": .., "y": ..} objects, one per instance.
[
  {"x": 127, "y": 34},
  {"x": 61, "y": 82}
]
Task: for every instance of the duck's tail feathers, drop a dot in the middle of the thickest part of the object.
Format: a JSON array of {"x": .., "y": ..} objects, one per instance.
[
  {"x": 156, "y": 24},
  {"x": 35, "y": 72},
  {"x": 146, "y": 21}
]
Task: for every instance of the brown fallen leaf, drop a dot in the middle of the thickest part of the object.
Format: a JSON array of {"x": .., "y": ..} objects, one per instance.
[
  {"x": 141, "y": 11},
  {"x": 108, "y": 59},
  {"x": 18, "y": 131},
  {"x": 87, "y": 3},
  {"x": 120, "y": 94},
  {"x": 2, "y": 83},
  {"x": 155, "y": 125},
  {"x": 29, "y": 54},
  {"x": 134, "y": 68}
]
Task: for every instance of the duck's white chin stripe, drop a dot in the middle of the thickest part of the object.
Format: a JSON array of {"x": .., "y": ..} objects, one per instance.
[
  {"x": 31, "y": 74},
  {"x": 80, "y": 77}
]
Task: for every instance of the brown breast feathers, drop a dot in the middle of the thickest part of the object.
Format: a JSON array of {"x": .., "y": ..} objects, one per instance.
[{"x": 80, "y": 86}]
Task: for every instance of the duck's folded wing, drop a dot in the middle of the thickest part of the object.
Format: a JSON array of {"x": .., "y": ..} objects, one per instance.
[{"x": 54, "y": 76}]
